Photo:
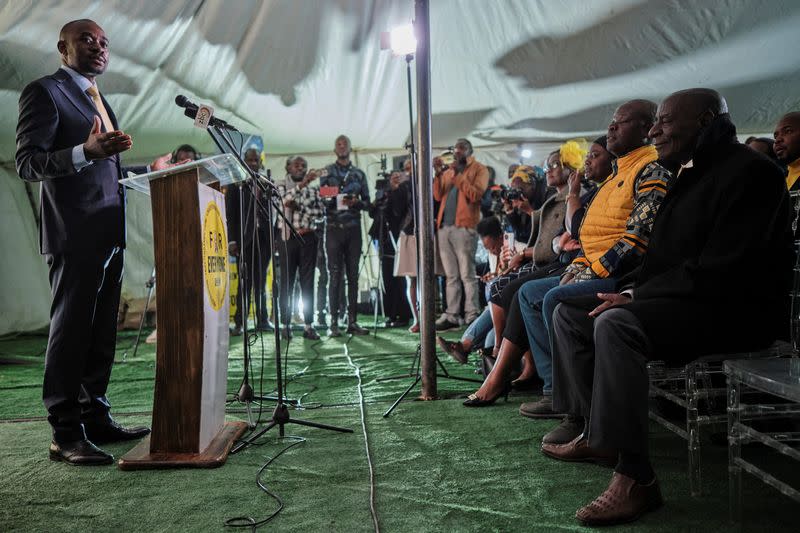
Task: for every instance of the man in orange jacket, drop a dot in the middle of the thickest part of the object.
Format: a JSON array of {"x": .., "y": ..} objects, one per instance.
[{"x": 459, "y": 190}]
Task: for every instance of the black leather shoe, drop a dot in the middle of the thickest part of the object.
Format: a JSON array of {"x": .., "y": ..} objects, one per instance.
[
  {"x": 113, "y": 432},
  {"x": 310, "y": 333},
  {"x": 334, "y": 331},
  {"x": 354, "y": 329},
  {"x": 79, "y": 453}
]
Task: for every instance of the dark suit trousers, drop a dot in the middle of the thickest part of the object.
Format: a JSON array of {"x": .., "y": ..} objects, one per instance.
[
  {"x": 600, "y": 372},
  {"x": 257, "y": 256},
  {"x": 298, "y": 258},
  {"x": 343, "y": 246},
  {"x": 83, "y": 332}
]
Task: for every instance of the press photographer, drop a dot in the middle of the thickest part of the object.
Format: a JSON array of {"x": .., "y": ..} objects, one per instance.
[
  {"x": 389, "y": 211},
  {"x": 344, "y": 194}
]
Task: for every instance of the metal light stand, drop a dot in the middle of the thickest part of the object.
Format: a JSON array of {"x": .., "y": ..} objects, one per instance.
[
  {"x": 280, "y": 416},
  {"x": 150, "y": 283},
  {"x": 376, "y": 293},
  {"x": 415, "y": 370}
]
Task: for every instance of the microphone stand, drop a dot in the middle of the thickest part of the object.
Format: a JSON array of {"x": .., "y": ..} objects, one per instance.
[{"x": 280, "y": 416}]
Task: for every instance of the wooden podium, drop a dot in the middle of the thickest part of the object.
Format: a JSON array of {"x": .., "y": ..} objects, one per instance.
[{"x": 191, "y": 258}]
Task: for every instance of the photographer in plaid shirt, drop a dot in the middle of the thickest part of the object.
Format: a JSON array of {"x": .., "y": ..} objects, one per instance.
[{"x": 302, "y": 206}]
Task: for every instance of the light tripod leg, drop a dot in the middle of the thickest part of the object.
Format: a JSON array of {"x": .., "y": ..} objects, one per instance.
[
  {"x": 402, "y": 397},
  {"x": 252, "y": 438},
  {"x": 150, "y": 284},
  {"x": 318, "y": 425},
  {"x": 249, "y": 410},
  {"x": 412, "y": 372},
  {"x": 446, "y": 374}
]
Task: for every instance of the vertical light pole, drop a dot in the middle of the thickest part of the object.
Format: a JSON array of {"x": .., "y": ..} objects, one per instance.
[{"x": 425, "y": 279}]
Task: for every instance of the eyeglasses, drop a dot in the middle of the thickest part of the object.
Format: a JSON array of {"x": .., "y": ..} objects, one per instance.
[{"x": 555, "y": 165}]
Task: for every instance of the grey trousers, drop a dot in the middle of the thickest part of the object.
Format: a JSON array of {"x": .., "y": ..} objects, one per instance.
[
  {"x": 600, "y": 372},
  {"x": 457, "y": 250}
]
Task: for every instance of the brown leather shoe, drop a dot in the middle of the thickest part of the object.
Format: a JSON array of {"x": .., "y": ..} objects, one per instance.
[
  {"x": 578, "y": 450},
  {"x": 623, "y": 501},
  {"x": 453, "y": 349}
]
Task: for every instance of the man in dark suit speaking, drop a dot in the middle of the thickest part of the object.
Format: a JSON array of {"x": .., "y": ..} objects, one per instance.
[{"x": 67, "y": 138}]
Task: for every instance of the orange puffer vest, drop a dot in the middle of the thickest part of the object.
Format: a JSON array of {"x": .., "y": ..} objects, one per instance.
[{"x": 608, "y": 212}]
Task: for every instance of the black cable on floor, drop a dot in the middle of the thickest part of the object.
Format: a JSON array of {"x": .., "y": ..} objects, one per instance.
[{"x": 250, "y": 522}]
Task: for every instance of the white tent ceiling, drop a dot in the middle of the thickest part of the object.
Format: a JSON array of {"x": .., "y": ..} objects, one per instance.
[{"x": 299, "y": 72}]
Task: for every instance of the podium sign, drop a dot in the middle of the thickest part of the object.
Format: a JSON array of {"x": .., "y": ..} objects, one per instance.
[{"x": 191, "y": 256}]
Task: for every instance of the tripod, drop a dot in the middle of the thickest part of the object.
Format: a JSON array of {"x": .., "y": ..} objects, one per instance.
[
  {"x": 149, "y": 284},
  {"x": 280, "y": 415},
  {"x": 414, "y": 372},
  {"x": 376, "y": 292}
]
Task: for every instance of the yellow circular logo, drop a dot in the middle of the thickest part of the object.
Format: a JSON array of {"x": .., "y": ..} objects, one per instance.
[{"x": 215, "y": 256}]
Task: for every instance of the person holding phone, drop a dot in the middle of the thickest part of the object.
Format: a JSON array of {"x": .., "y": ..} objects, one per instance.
[{"x": 343, "y": 232}]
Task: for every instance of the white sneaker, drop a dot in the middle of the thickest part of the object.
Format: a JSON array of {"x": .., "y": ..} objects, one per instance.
[{"x": 442, "y": 319}]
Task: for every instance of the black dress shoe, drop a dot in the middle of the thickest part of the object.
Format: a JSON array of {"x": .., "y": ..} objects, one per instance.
[
  {"x": 79, "y": 453},
  {"x": 354, "y": 329},
  {"x": 334, "y": 331},
  {"x": 310, "y": 333},
  {"x": 113, "y": 432}
]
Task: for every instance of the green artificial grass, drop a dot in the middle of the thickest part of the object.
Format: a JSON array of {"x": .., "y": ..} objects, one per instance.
[{"x": 438, "y": 466}]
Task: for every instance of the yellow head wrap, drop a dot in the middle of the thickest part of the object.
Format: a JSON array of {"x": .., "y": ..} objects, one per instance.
[
  {"x": 525, "y": 173},
  {"x": 573, "y": 153}
]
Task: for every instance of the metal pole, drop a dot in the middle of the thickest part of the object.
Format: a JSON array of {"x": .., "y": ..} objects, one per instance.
[{"x": 425, "y": 279}]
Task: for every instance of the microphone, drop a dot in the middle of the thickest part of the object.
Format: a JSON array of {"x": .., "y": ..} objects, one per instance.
[{"x": 190, "y": 110}]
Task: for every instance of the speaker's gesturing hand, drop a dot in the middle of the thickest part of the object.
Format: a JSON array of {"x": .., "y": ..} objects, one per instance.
[{"x": 101, "y": 144}]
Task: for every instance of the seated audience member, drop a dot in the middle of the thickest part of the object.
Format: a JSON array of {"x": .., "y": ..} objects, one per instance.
[
  {"x": 539, "y": 254},
  {"x": 763, "y": 145},
  {"x": 614, "y": 236},
  {"x": 459, "y": 189},
  {"x": 478, "y": 333},
  {"x": 715, "y": 280},
  {"x": 787, "y": 147},
  {"x": 596, "y": 169}
]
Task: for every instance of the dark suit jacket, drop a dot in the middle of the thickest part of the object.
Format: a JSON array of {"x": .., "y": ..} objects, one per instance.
[
  {"x": 717, "y": 272},
  {"x": 80, "y": 211}
]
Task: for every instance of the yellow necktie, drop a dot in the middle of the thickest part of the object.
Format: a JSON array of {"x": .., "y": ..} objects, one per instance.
[{"x": 98, "y": 103}]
